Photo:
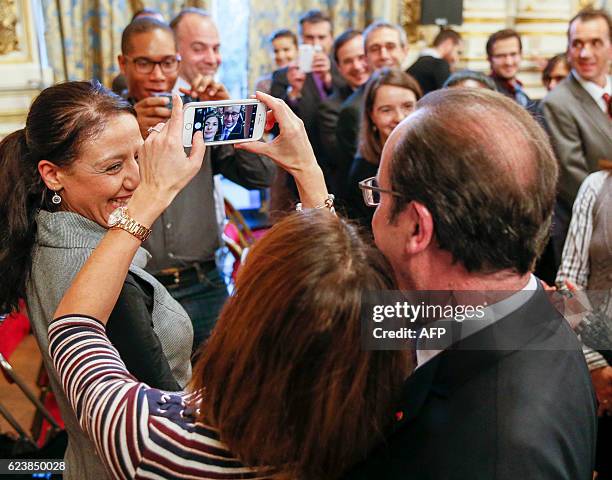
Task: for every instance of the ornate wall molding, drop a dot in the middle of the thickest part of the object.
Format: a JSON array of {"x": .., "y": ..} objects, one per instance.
[
  {"x": 409, "y": 19},
  {"x": 9, "y": 42}
]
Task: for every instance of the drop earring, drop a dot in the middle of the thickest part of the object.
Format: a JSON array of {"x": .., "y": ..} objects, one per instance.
[{"x": 56, "y": 199}]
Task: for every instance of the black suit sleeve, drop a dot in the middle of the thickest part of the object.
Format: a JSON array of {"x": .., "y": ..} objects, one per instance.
[
  {"x": 441, "y": 74},
  {"x": 130, "y": 330},
  {"x": 244, "y": 168},
  {"x": 280, "y": 83},
  {"x": 328, "y": 120},
  {"x": 347, "y": 132}
]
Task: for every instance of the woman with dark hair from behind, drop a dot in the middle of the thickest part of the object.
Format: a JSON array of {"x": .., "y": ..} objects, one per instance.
[
  {"x": 283, "y": 382},
  {"x": 61, "y": 177},
  {"x": 390, "y": 96}
]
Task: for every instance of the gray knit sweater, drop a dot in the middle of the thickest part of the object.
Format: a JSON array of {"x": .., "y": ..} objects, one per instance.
[{"x": 64, "y": 242}]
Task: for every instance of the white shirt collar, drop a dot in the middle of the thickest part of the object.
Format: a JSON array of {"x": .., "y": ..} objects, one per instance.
[
  {"x": 492, "y": 313},
  {"x": 595, "y": 90},
  {"x": 181, "y": 83},
  {"x": 430, "y": 52}
]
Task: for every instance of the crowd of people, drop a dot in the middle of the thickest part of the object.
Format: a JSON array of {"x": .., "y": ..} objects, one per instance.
[{"x": 425, "y": 179}]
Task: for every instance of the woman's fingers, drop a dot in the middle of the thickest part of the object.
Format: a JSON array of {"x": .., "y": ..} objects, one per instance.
[
  {"x": 175, "y": 124},
  {"x": 197, "y": 149},
  {"x": 283, "y": 114}
]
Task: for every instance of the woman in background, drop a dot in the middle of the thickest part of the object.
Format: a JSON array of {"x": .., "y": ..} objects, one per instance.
[
  {"x": 285, "y": 50},
  {"x": 389, "y": 97}
]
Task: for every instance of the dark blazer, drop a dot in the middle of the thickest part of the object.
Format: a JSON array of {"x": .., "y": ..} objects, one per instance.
[
  {"x": 347, "y": 135},
  {"x": 130, "y": 329},
  {"x": 307, "y": 107},
  {"x": 356, "y": 209},
  {"x": 327, "y": 120},
  {"x": 236, "y": 132},
  {"x": 430, "y": 72},
  {"x": 523, "y": 410}
]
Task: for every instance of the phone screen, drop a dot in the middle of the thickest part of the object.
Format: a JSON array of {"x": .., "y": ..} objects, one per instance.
[{"x": 229, "y": 122}]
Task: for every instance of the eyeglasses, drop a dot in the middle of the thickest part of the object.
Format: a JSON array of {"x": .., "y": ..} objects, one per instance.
[
  {"x": 371, "y": 191},
  {"x": 145, "y": 65},
  {"x": 233, "y": 114}
]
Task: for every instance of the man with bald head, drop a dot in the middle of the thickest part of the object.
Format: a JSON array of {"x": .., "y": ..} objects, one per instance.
[
  {"x": 464, "y": 197},
  {"x": 198, "y": 44}
]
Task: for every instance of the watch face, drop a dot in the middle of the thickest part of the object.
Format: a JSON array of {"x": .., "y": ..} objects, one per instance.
[{"x": 115, "y": 217}]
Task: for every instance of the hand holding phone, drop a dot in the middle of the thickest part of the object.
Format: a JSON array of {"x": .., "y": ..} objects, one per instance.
[
  {"x": 296, "y": 79},
  {"x": 292, "y": 151},
  {"x": 321, "y": 65},
  {"x": 150, "y": 111},
  {"x": 224, "y": 122},
  {"x": 306, "y": 55}
]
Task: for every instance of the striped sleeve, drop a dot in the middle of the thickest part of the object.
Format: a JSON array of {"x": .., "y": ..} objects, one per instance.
[
  {"x": 139, "y": 432},
  {"x": 575, "y": 266},
  {"x": 575, "y": 259}
]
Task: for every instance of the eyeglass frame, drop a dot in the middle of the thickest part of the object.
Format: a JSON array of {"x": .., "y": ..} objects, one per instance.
[
  {"x": 366, "y": 190},
  {"x": 177, "y": 57}
]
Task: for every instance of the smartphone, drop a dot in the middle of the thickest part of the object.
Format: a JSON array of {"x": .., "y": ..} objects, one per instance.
[
  {"x": 305, "y": 56},
  {"x": 224, "y": 121},
  {"x": 184, "y": 98}
]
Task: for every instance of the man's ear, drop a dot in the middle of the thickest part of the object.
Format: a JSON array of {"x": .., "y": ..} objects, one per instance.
[
  {"x": 121, "y": 60},
  {"x": 51, "y": 175},
  {"x": 419, "y": 227}
]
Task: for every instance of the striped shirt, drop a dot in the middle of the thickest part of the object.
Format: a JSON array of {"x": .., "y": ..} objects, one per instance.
[
  {"x": 575, "y": 265},
  {"x": 138, "y": 431}
]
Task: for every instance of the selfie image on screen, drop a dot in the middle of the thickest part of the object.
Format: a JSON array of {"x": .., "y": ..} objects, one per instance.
[{"x": 230, "y": 122}]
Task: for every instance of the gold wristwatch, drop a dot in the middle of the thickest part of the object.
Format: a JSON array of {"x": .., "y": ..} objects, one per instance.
[{"x": 120, "y": 219}]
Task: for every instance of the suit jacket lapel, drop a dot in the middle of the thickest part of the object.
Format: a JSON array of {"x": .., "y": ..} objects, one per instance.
[
  {"x": 450, "y": 369},
  {"x": 590, "y": 108}
]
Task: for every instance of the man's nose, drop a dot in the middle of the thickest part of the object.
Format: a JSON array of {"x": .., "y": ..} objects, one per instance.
[
  {"x": 586, "y": 51},
  {"x": 157, "y": 73}
]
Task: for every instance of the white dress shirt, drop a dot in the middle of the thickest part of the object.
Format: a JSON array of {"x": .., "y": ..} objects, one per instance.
[
  {"x": 492, "y": 314},
  {"x": 596, "y": 91}
]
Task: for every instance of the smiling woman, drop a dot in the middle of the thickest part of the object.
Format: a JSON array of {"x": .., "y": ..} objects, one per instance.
[
  {"x": 389, "y": 97},
  {"x": 61, "y": 177}
]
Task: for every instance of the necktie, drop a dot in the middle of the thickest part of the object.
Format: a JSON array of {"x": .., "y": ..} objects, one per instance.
[{"x": 608, "y": 100}]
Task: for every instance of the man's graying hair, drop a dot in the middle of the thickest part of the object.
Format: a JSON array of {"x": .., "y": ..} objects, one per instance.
[{"x": 485, "y": 171}]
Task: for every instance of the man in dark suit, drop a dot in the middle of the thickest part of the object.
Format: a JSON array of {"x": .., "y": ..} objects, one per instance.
[
  {"x": 305, "y": 91},
  {"x": 232, "y": 123},
  {"x": 385, "y": 45},
  {"x": 433, "y": 67},
  {"x": 466, "y": 190},
  {"x": 349, "y": 54}
]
